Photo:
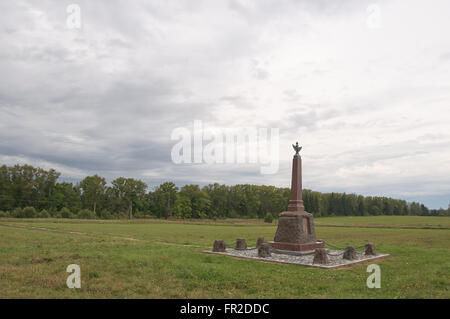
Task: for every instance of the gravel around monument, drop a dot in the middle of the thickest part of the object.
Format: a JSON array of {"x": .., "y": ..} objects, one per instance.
[{"x": 334, "y": 257}]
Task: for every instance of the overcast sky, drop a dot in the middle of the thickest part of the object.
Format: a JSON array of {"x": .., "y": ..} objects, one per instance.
[{"x": 364, "y": 86}]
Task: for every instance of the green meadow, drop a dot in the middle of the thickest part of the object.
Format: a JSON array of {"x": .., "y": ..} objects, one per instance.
[{"x": 164, "y": 259}]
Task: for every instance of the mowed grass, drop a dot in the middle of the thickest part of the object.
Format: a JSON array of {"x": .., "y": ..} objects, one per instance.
[
  {"x": 156, "y": 259},
  {"x": 387, "y": 221}
]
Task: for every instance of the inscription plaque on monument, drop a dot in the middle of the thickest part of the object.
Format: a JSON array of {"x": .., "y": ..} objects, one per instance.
[{"x": 296, "y": 226}]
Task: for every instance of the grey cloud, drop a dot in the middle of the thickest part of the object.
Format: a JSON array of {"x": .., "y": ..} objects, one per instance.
[
  {"x": 267, "y": 9},
  {"x": 445, "y": 56},
  {"x": 305, "y": 116},
  {"x": 105, "y": 99}
]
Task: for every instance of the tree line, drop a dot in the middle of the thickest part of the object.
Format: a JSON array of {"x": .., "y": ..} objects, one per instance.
[{"x": 26, "y": 191}]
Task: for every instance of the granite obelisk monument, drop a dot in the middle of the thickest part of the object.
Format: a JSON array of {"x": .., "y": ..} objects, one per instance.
[{"x": 296, "y": 226}]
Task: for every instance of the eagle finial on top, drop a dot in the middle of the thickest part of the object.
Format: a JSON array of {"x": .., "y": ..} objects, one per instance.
[{"x": 297, "y": 149}]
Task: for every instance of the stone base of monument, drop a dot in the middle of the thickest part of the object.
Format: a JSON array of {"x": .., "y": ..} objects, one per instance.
[
  {"x": 296, "y": 232},
  {"x": 335, "y": 259},
  {"x": 297, "y": 247}
]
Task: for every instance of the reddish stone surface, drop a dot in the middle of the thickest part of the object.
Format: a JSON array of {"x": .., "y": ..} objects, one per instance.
[
  {"x": 297, "y": 247},
  {"x": 296, "y": 201},
  {"x": 295, "y": 227}
]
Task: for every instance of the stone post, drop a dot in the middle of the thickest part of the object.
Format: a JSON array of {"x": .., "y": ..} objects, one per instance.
[
  {"x": 219, "y": 246},
  {"x": 370, "y": 250},
  {"x": 264, "y": 250},
  {"x": 350, "y": 253},
  {"x": 259, "y": 242},
  {"x": 320, "y": 256},
  {"x": 241, "y": 243}
]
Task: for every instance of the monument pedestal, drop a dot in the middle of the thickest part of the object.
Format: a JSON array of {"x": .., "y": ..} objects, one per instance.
[{"x": 296, "y": 232}]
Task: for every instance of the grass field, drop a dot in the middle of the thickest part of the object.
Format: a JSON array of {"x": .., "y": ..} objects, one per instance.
[{"x": 163, "y": 259}]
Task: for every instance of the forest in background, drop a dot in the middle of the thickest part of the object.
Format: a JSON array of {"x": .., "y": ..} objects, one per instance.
[{"x": 29, "y": 192}]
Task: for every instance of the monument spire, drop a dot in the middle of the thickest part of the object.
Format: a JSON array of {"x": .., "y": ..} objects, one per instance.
[{"x": 296, "y": 201}]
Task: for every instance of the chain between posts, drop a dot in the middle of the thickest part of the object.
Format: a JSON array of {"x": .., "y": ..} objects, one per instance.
[
  {"x": 335, "y": 255},
  {"x": 340, "y": 248}
]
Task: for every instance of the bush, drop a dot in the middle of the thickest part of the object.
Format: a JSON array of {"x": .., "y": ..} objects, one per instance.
[
  {"x": 29, "y": 212},
  {"x": 74, "y": 215},
  {"x": 3, "y": 214},
  {"x": 124, "y": 215},
  {"x": 105, "y": 214},
  {"x": 53, "y": 213},
  {"x": 44, "y": 214},
  {"x": 138, "y": 215},
  {"x": 65, "y": 213},
  {"x": 116, "y": 215},
  {"x": 86, "y": 214},
  {"x": 233, "y": 214},
  {"x": 17, "y": 212},
  {"x": 268, "y": 218}
]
